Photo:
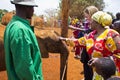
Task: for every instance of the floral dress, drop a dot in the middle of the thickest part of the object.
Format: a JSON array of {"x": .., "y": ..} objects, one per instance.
[{"x": 102, "y": 46}]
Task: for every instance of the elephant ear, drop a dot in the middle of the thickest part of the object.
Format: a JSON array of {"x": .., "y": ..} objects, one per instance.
[
  {"x": 57, "y": 33},
  {"x": 42, "y": 47},
  {"x": 48, "y": 34},
  {"x": 54, "y": 35}
]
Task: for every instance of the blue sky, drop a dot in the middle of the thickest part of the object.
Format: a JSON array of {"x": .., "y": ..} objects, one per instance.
[{"x": 111, "y": 5}]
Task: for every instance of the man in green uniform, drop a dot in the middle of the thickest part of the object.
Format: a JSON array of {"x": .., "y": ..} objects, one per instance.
[{"x": 22, "y": 54}]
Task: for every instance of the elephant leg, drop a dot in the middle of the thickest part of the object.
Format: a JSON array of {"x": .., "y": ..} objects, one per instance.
[
  {"x": 63, "y": 62},
  {"x": 2, "y": 57}
]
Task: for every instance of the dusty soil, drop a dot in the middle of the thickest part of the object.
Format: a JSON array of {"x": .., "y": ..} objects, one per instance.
[{"x": 51, "y": 65}]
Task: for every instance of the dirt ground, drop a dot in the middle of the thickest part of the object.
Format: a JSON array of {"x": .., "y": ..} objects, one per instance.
[{"x": 51, "y": 66}]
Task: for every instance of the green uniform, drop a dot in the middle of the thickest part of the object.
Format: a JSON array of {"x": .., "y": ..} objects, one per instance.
[{"x": 22, "y": 54}]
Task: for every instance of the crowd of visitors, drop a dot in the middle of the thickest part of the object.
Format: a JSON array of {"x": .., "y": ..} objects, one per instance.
[{"x": 103, "y": 41}]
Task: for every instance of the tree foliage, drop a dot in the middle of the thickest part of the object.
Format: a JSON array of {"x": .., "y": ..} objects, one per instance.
[
  {"x": 77, "y": 6},
  {"x": 2, "y": 12}
]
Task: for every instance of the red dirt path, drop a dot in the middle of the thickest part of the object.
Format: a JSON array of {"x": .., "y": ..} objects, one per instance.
[{"x": 51, "y": 69}]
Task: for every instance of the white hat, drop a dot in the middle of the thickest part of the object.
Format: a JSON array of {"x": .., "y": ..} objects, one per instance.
[{"x": 24, "y": 2}]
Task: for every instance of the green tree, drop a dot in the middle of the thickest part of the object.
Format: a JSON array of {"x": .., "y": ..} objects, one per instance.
[
  {"x": 2, "y": 12},
  {"x": 77, "y": 6}
]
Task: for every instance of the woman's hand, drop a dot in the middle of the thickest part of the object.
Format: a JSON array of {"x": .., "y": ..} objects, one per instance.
[{"x": 69, "y": 41}]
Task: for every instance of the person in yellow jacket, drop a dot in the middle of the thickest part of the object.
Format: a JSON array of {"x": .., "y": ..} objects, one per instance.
[{"x": 22, "y": 53}]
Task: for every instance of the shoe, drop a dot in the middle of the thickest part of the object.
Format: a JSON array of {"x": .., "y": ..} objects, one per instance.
[{"x": 77, "y": 56}]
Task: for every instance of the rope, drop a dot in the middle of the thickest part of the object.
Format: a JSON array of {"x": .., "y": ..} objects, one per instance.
[{"x": 64, "y": 70}]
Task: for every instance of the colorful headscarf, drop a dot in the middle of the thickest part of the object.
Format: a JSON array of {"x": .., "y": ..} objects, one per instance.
[{"x": 102, "y": 18}]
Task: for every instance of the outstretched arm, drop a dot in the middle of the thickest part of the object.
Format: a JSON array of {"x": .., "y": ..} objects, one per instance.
[
  {"x": 75, "y": 28},
  {"x": 66, "y": 39},
  {"x": 72, "y": 41}
]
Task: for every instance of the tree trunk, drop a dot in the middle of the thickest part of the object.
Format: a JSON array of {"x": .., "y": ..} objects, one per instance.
[
  {"x": 65, "y": 13},
  {"x": 64, "y": 33}
]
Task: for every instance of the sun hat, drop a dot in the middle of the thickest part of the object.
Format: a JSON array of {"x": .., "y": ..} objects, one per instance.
[
  {"x": 102, "y": 18},
  {"x": 24, "y": 2},
  {"x": 91, "y": 10}
]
